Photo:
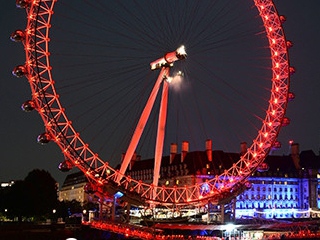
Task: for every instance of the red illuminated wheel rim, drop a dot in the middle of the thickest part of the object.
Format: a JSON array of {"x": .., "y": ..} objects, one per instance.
[{"x": 60, "y": 129}]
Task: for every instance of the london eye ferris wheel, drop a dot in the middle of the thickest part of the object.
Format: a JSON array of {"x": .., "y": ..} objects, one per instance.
[{"x": 111, "y": 79}]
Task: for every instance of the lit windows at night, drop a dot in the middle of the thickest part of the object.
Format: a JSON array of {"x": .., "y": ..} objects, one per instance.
[{"x": 278, "y": 196}]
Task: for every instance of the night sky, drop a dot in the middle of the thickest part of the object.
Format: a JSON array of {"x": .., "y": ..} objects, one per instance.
[{"x": 19, "y": 130}]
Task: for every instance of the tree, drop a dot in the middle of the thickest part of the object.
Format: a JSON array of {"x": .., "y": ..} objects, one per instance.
[{"x": 41, "y": 197}]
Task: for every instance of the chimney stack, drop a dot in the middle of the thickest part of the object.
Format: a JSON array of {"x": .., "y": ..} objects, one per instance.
[
  {"x": 134, "y": 158},
  {"x": 295, "y": 155},
  {"x": 243, "y": 148},
  {"x": 209, "y": 149},
  {"x": 173, "y": 151},
  {"x": 184, "y": 150}
]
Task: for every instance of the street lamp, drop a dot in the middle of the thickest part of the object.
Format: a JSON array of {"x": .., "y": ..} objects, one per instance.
[
  {"x": 53, "y": 215},
  {"x": 84, "y": 212}
]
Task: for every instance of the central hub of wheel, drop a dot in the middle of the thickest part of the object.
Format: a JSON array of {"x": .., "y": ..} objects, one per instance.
[{"x": 169, "y": 58}]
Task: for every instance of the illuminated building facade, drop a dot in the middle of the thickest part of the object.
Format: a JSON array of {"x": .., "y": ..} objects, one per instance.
[
  {"x": 73, "y": 188},
  {"x": 289, "y": 189},
  {"x": 286, "y": 186}
]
